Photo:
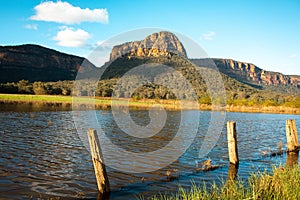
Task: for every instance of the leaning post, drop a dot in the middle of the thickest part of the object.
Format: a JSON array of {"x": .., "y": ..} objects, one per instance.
[{"x": 99, "y": 167}]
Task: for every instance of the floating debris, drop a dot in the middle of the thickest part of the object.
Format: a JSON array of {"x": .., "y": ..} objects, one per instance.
[
  {"x": 170, "y": 176},
  {"x": 207, "y": 166},
  {"x": 50, "y": 123}
]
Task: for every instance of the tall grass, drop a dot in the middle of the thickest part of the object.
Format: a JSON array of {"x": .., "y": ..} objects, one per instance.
[{"x": 284, "y": 183}]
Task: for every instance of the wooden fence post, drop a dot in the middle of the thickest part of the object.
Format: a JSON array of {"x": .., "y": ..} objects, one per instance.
[
  {"x": 232, "y": 143},
  {"x": 291, "y": 136},
  {"x": 99, "y": 167}
]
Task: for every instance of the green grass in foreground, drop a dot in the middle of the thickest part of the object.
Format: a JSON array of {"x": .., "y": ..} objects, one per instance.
[{"x": 283, "y": 184}]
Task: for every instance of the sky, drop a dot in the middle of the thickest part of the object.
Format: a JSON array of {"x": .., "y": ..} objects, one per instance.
[{"x": 265, "y": 33}]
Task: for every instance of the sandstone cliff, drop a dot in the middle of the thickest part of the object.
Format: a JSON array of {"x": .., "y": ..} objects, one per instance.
[
  {"x": 157, "y": 44},
  {"x": 247, "y": 72}
]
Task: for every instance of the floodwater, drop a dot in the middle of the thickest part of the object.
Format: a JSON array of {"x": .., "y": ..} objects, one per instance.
[{"x": 42, "y": 155}]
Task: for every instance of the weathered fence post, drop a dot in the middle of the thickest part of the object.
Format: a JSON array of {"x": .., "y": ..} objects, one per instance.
[
  {"x": 291, "y": 136},
  {"x": 232, "y": 143},
  {"x": 99, "y": 167}
]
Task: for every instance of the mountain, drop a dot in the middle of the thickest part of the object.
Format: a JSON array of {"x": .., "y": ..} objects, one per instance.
[
  {"x": 166, "y": 43},
  {"x": 37, "y": 63},
  {"x": 157, "y": 44}
]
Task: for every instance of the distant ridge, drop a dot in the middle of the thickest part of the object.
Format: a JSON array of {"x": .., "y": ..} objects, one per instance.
[
  {"x": 250, "y": 73},
  {"x": 37, "y": 63}
]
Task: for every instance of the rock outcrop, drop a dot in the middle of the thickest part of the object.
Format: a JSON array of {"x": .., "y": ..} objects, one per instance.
[{"x": 157, "y": 44}]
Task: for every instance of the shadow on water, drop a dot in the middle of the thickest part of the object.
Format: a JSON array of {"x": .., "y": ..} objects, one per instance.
[{"x": 41, "y": 155}]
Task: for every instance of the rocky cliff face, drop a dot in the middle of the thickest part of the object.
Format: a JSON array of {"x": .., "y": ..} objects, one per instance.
[
  {"x": 36, "y": 63},
  {"x": 247, "y": 72},
  {"x": 255, "y": 74},
  {"x": 157, "y": 44}
]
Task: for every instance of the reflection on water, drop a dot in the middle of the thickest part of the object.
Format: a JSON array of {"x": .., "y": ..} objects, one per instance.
[
  {"x": 232, "y": 172},
  {"x": 43, "y": 157},
  {"x": 34, "y": 106},
  {"x": 292, "y": 158}
]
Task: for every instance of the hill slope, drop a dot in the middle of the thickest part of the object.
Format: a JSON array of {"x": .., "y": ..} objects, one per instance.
[{"x": 37, "y": 63}]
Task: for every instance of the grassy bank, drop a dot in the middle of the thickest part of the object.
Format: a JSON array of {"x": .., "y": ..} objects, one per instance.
[
  {"x": 283, "y": 184},
  {"x": 144, "y": 103}
]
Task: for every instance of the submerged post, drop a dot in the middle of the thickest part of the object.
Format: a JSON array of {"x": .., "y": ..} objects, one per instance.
[
  {"x": 232, "y": 143},
  {"x": 99, "y": 167},
  {"x": 291, "y": 136}
]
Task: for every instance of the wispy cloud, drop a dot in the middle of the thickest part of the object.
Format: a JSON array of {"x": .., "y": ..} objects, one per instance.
[
  {"x": 104, "y": 44},
  {"x": 101, "y": 42},
  {"x": 68, "y": 37},
  {"x": 209, "y": 36},
  {"x": 293, "y": 55},
  {"x": 31, "y": 26},
  {"x": 65, "y": 13}
]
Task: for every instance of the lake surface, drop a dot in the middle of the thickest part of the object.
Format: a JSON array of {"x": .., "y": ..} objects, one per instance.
[{"x": 42, "y": 155}]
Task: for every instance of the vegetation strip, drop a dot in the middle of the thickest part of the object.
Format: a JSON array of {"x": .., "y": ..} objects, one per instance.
[
  {"x": 144, "y": 103},
  {"x": 284, "y": 183}
]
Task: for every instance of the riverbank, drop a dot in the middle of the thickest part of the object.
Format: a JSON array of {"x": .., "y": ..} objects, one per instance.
[
  {"x": 104, "y": 103},
  {"x": 283, "y": 183}
]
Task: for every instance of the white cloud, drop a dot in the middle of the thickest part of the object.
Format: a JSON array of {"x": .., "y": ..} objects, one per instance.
[
  {"x": 293, "y": 55},
  {"x": 31, "y": 26},
  {"x": 209, "y": 35},
  {"x": 68, "y": 37},
  {"x": 65, "y": 13}
]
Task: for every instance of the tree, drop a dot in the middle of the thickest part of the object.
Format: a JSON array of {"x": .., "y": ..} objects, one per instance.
[{"x": 39, "y": 88}]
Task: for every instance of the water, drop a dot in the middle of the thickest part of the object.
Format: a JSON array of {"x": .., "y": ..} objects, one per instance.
[{"x": 42, "y": 156}]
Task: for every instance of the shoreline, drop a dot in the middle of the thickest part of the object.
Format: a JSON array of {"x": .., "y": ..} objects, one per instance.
[{"x": 105, "y": 103}]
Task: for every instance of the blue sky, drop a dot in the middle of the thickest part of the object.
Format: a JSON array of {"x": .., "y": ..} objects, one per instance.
[{"x": 265, "y": 33}]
